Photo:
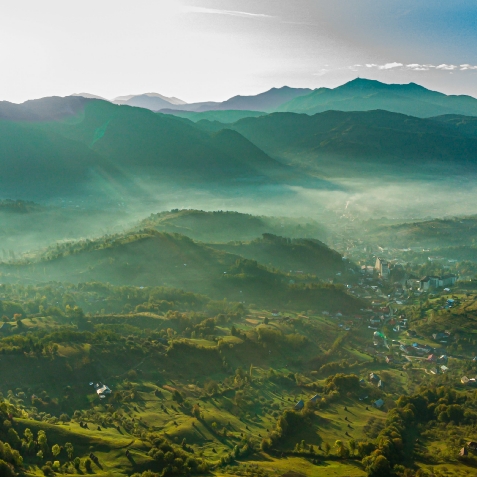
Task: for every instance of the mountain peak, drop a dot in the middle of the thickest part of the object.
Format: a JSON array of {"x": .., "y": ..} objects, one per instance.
[{"x": 365, "y": 83}]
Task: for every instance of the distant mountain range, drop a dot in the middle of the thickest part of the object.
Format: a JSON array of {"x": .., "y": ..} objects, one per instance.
[
  {"x": 57, "y": 146},
  {"x": 152, "y": 101},
  {"x": 356, "y": 95},
  {"x": 267, "y": 101}
]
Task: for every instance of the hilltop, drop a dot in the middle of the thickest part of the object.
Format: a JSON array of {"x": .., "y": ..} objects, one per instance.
[{"x": 227, "y": 226}]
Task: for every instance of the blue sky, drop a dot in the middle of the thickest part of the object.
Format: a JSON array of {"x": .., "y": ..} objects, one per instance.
[{"x": 201, "y": 50}]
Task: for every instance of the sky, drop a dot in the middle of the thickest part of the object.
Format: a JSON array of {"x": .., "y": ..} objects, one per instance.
[{"x": 200, "y": 50}]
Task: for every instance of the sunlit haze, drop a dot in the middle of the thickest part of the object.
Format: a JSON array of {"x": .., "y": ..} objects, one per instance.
[{"x": 199, "y": 50}]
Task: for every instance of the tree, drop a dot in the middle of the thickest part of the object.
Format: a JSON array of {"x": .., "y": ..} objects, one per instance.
[
  {"x": 380, "y": 467},
  {"x": 327, "y": 448},
  {"x": 5, "y": 469},
  {"x": 13, "y": 438},
  {"x": 42, "y": 442},
  {"x": 55, "y": 450},
  {"x": 341, "y": 450},
  {"x": 69, "y": 450},
  {"x": 352, "y": 447}
]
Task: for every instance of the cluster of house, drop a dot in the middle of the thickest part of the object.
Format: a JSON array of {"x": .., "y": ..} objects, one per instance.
[
  {"x": 431, "y": 281},
  {"x": 301, "y": 404},
  {"x": 416, "y": 349}
]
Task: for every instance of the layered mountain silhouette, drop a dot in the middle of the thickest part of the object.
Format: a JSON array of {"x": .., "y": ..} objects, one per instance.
[
  {"x": 357, "y": 95},
  {"x": 268, "y": 101},
  {"x": 365, "y": 95},
  {"x": 55, "y": 144}
]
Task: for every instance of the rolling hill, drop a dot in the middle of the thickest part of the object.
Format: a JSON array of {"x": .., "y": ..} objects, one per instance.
[
  {"x": 365, "y": 95},
  {"x": 151, "y": 258}
]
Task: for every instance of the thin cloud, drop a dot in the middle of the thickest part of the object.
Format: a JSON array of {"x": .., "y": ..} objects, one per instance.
[
  {"x": 417, "y": 67},
  {"x": 446, "y": 67},
  {"x": 233, "y": 13},
  {"x": 389, "y": 66}
]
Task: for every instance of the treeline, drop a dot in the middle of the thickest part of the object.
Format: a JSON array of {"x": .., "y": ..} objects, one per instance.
[{"x": 52, "y": 299}]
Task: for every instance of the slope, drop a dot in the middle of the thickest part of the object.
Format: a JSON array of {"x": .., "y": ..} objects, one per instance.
[{"x": 365, "y": 95}]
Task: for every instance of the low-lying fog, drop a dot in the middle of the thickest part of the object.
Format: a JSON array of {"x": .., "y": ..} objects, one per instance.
[{"x": 351, "y": 200}]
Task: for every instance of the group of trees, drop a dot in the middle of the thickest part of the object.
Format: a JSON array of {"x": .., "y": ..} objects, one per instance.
[{"x": 173, "y": 459}]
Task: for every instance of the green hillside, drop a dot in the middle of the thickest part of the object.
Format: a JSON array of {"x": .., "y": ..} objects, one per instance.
[
  {"x": 366, "y": 95},
  {"x": 290, "y": 255},
  {"x": 151, "y": 258},
  {"x": 226, "y": 226}
]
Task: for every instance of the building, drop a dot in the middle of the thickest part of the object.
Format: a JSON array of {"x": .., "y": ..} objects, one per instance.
[
  {"x": 378, "y": 404},
  {"x": 5, "y": 327},
  {"x": 440, "y": 336},
  {"x": 382, "y": 267},
  {"x": 102, "y": 389},
  {"x": 315, "y": 398},
  {"x": 367, "y": 270},
  {"x": 374, "y": 378},
  {"x": 472, "y": 445},
  {"x": 431, "y": 281}
]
